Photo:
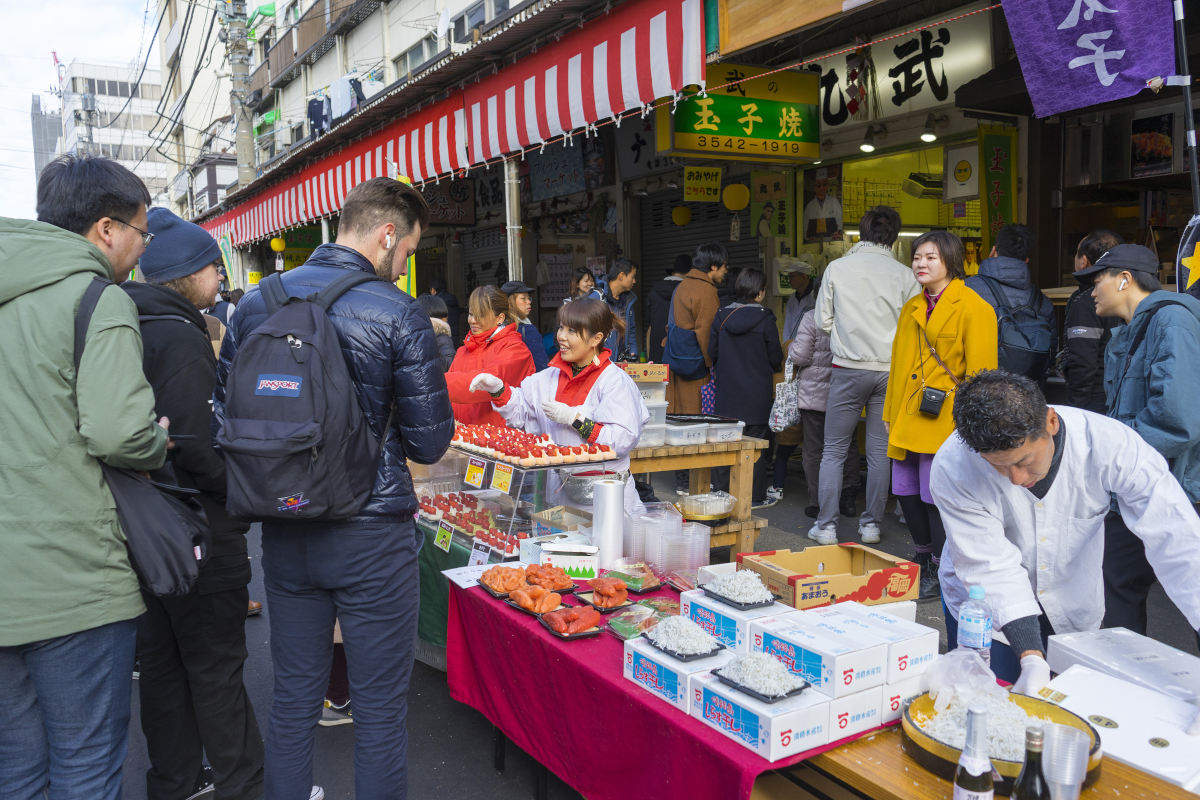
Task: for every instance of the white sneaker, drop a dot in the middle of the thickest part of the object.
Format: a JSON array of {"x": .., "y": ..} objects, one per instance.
[
  {"x": 869, "y": 533},
  {"x": 775, "y": 493},
  {"x": 823, "y": 535},
  {"x": 317, "y": 793}
]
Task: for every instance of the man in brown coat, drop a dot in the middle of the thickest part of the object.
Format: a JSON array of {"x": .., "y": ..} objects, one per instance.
[{"x": 695, "y": 304}]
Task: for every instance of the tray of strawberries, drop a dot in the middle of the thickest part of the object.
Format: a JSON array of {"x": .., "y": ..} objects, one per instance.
[{"x": 525, "y": 450}]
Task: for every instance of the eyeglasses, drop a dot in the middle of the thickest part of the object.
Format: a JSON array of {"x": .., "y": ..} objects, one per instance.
[{"x": 147, "y": 237}]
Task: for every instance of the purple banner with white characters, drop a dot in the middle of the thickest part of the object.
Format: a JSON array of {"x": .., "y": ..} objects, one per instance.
[{"x": 1077, "y": 53}]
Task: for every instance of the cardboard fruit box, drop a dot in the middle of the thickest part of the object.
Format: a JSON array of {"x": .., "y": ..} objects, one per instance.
[
  {"x": 819, "y": 576},
  {"x": 646, "y": 373}
]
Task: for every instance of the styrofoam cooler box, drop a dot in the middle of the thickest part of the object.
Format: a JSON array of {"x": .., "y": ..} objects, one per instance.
[
  {"x": 773, "y": 730},
  {"x": 664, "y": 676},
  {"x": 904, "y": 609},
  {"x": 688, "y": 433},
  {"x": 1124, "y": 654},
  {"x": 835, "y": 664},
  {"x": 658, "y": 411},
  {"x": 652, "y": 391},
  {"x": 1137, "y": 726},
  {"x": 855, "y": 713},
  {"x": 725, "y": 431},
  {"x": 895, "y": 695},
  {"x": 912, "y": 648},
  {"x": 731, "y": 626},
  {"x": 652, "y": 436}
]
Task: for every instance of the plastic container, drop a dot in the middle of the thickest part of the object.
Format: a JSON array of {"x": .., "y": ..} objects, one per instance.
[
  {"x": 652, "y": 436},
  {"x": 655, "y": 392},
  {"x": 975, "y": 624},
  {"x": 658, "y": 412},
  {"x": 725, "y": 431},
  {"x": 687, "y": 434}
]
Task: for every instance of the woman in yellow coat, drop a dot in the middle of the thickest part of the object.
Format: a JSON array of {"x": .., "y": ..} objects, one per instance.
[{"x": 944, "y": 334}]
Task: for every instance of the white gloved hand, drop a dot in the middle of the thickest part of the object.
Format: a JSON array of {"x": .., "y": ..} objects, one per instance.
[
  {"x": 561, "y": 412},
  {"x": 1035, "y": 674},
  {"x": 485, "y": 382}
]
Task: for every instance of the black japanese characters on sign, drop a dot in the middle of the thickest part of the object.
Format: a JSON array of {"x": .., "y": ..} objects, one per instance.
[
  {"x": 918, "y": 67},
  {"x": 452, "y": 202}
]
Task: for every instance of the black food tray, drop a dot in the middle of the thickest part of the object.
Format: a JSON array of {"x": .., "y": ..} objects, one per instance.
[
  {"x": 692, "y": 419},
  {"x": 680, "y": 656},
  {"x": 508, "y": 602},
  {"x": 569, "y": 590},
  {"x": 736, "y": 604},
  {"x": 758, "y": 696},
  {"x": 586, "y": 598},
  {"x": 589, "y": 633}
]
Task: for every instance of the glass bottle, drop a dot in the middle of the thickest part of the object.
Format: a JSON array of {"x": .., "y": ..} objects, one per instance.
[
  {"x": 1031, "y": 783},
  {"x": 973, "y": 778}
]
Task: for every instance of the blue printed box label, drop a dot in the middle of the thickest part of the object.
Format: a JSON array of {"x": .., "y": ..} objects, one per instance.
[
  {"x": 730, "y": 717},
  {"x": 718, "y": 625},
  {"x": 656, "y": 678},
  {"x": 806, "y": 664}
]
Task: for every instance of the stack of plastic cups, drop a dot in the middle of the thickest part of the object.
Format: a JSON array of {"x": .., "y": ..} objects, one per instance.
[
  {"x": 634, "y": 542},
  {"x": 1065, "y": 759},
  {"x": 661, "y": 526},
  {"x": 698, "y": 537}
]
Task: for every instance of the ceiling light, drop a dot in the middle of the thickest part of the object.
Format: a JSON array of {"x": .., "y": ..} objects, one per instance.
[
  {"x": 868, "y": 143},
  {"x": 928, "y": 134}
]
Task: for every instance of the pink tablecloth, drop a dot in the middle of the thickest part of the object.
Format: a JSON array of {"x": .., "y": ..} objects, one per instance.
[{"x": 568, "y": 705}]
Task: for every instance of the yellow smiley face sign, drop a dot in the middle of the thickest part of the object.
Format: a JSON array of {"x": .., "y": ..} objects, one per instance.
[{"x": 962, "y": 171}]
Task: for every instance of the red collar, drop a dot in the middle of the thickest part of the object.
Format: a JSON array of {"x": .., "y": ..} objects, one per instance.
[
  {"x": 573, "y": 389},
  {"x": 474, "y": 341}
]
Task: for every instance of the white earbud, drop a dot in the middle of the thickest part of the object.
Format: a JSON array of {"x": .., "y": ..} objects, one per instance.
[
  {"x": 389, "y": 241},
  {"x": 1124, "y": 283}
]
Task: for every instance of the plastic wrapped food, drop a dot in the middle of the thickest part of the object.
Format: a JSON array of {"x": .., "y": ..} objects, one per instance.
[
  {"x": 761, "y": 673},
  {"x": 637, "y": 575},
  {"x": 681, "y": 635},
  {"x": 742, "y": 586},
  {"x": 633, "y": 621}
]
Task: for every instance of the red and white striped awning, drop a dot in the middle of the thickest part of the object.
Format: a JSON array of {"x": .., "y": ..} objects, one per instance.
[{"x": 642, "y": 51}]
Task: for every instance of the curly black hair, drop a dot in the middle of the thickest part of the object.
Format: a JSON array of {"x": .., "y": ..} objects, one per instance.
[{"x": 997, "y": 410}]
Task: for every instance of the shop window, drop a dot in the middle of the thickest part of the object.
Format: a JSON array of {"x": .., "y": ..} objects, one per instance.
[
  {"x": 466, "y": 23},
  {"x": 499, "y": 7}
]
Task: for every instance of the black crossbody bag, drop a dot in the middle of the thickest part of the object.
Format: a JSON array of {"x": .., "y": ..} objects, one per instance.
[{"x": 933, "y": 399}]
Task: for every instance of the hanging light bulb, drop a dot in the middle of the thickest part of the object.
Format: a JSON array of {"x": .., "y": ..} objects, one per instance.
[
  {"x": 928, "y": 134},
  {"x": 868, "y": 143}
]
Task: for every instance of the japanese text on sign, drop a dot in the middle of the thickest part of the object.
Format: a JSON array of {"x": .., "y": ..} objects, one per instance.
[
  {"x": 476, "y": 467},
  {"x": 444, "y": 535},
  {"x": 502, "y": 477},
  {"x": 702, "y": 184},
  {"x": 480, "y": 553}
]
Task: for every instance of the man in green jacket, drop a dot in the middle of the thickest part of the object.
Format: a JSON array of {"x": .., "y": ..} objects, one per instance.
[{"x": 68, "y": 595}]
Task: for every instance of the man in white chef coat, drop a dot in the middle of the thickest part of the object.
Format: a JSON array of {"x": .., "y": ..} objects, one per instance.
[{"x": 1023, "y": 489}]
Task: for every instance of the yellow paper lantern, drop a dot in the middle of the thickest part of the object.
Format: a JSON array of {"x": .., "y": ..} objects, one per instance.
[
  {"x": 278, "y": 244},
  {"x": 736, "y": 196},
  {"x": 681, "y": 215}
]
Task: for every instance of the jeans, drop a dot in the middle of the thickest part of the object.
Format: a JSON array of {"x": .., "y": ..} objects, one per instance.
[
  {"x": 193, "y": 700},
  {"x": 364, "y": 574},
  {"x": 851, "y": 390},
  {"x": 814, "y": 452},
  {"x": 64, "y": 714}
]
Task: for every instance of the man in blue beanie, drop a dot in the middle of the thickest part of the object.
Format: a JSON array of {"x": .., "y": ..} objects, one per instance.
[{"x": 192, "y": 649}]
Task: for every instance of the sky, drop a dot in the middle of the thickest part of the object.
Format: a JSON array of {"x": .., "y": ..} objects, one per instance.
[{"x": 115, "y": 30}]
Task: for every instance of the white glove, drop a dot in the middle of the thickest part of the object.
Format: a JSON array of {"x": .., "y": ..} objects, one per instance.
[
  {"x": 486, "y": 383},
  {"x": 1035, "y": 674},
  {"x": 561, "y": 412}
]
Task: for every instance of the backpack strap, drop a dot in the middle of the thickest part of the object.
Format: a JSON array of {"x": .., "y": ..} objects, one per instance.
[
  {"x": 83, "y": 316},
  {"x": 158, "y": 317},
  {"x": 274, "y": 295},
  {"x": 340, "y": 285},
  {"x": 997, "y": 293},
  {"x": 1138, "y": 337}
]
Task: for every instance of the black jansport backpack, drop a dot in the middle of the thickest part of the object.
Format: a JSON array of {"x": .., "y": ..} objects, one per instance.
[
  {"x": 1025, "y": 337},
  {"x": 296, "y": 442}
]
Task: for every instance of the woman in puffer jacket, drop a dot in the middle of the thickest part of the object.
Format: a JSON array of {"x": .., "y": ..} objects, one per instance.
[
  {"x": 811, "y": 355},
  {"x": 439, "y": 317},
  {"x": 493, "y": 346}
]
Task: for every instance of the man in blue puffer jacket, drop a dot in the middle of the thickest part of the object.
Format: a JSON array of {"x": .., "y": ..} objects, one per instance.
[
  {"x": 1151, "y": 383},
  {"x": 361, "y": 571}
]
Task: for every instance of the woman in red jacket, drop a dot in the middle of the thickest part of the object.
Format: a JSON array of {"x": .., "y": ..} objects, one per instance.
[{"x": 492, "y": 346}]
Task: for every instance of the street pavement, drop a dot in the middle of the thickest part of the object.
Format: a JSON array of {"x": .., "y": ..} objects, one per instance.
[{"x": 450, "y": 745}]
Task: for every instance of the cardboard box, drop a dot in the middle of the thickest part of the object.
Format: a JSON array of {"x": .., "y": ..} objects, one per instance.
[
  {"x": 818, "y": 576},
  {"x": 560, "y": 519},
  {"x": 531, "y": 549},
  {"x": 731, "y": 626},
  {"x": 1124, "y": 654},
  {"x": 836, "y": 664},
  {"x": 646, "y": 373},
  {"x": 1137, "y": 726},
  {"x": 855, "y": 713},
  {"x": 664, "y": 676},
  {"x": 580, "y": 561},
  {"x": 912, "y": 648},
  {"x": 895, "y": 695},
  {"x": 773, "y": 730},
  {"x": 905, "y": 609}
]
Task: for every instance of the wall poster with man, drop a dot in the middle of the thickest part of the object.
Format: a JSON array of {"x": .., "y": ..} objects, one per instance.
[{"x": 822, "y": 217}]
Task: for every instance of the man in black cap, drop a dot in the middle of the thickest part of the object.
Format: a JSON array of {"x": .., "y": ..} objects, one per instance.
[
  {"x": 520, "y": 306},
  {"x": 192, "y": 649},
  {"x": 1151, "y": 384}
]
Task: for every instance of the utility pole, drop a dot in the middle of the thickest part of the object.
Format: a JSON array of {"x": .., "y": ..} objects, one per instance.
[{"x": 239, "y": 94}]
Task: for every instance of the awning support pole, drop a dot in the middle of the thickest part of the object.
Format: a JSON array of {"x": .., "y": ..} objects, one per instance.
[{"x": 512, "y": 217}]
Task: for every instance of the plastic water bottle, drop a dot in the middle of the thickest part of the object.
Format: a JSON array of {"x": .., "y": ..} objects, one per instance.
[{"x": 975, "y": 625}]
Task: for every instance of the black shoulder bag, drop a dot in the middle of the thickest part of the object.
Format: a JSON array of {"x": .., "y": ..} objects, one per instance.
[{"x": 165, "y": 527}]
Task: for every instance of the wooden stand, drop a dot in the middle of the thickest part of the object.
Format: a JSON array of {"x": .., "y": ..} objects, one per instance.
[{"x": 742, "y": 529}]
